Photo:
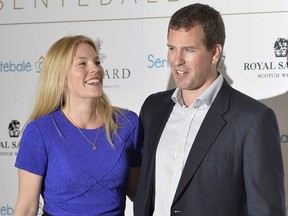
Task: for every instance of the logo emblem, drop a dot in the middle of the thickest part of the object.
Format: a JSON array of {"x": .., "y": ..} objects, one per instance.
[
  {"x": 38, "y": 64},
  {"x": 281, "y": 47},
  {"x": 14, "y": 128},
  {"x": 102, "y": 56}
]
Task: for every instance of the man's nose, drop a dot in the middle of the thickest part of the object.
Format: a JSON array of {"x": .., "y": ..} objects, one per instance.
[{"x": 178, "y": 59}]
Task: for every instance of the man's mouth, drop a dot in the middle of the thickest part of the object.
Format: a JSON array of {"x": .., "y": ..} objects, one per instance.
[{"x": 181, "y": 73}]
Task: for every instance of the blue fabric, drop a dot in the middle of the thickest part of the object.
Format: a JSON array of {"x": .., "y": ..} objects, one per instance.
[{"x": 77, "y": 179}]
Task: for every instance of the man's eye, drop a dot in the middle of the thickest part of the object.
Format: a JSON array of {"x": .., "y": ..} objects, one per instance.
[
  {"x": 97, "y": 62},
  {"x": 189, "y": 50},
  {"x": 172, "y": 50}
]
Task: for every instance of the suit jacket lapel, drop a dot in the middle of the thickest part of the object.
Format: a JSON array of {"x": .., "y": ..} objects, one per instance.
[
  {"x": 158, "y": 112},
  {"x": 159, "y": 118},
  {"x": 208, "y": 132}
]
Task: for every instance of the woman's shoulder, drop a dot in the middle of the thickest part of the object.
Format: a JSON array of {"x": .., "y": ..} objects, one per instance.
[
  {"x": 126, "y": 116},
  {"x": 45, "y": 120}
]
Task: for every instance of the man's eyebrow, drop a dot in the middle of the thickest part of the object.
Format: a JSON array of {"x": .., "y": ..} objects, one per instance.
[{"x": 183, "y": 47}]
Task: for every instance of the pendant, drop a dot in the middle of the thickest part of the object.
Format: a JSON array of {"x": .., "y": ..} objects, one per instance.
[{"x": 94, "y": 147}]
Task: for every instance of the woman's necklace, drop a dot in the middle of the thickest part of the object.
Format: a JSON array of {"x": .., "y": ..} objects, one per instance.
[{"x": 92, "y": 143}]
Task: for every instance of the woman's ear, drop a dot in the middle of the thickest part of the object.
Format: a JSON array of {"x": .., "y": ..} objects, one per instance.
[{"x": 216, "y": 53}]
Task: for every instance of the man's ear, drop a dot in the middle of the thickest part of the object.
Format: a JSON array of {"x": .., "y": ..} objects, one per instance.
[{"x": 216, "y": 53}]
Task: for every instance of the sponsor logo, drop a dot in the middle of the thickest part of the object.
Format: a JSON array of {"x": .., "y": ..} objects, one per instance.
[
  {"x": 115, "y": 76},
  {"x": 284, "y": 138},
  {"x": 221, "y": 65},
  {"x": 14, "y": 128},
  {"x": 102, "y": 56},
  {"x": 23, "y": 66},
  {"x": 6, "y": 209},
  {"x": 38, "y": 64},
  {"x": 281, "y": 47},
  {"x": 277, "y": 67},
  {"x": 156, "y": 62},
  {"x": 20, "y": 5},
  {"x": 10, "y": 66},
  {"x": 112, "y": 75},
  {"x": 122, "y": 73},
  {"x": 10, "y": 147}
]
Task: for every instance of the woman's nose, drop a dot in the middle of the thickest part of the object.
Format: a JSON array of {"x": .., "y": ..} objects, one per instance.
[{"x": 95, "y": 68}]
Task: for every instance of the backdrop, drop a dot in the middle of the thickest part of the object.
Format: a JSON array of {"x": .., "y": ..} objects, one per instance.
[{"x": 132, "y": 37}]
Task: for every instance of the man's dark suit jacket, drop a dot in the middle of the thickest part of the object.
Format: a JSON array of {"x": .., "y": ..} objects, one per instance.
[{"x": 234, "y": 167}]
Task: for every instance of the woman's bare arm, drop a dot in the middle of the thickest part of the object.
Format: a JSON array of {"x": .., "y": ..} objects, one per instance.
[{"x": 29, "y": 188}]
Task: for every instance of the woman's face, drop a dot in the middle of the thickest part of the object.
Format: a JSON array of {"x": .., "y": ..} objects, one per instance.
[{"x": 85, "y": 76}]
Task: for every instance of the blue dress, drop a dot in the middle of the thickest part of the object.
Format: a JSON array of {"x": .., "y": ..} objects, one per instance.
[{"x": 76, "y": 179}]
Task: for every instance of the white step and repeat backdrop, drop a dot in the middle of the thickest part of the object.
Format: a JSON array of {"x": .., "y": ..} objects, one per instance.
[{"x": 132, "y": 34}]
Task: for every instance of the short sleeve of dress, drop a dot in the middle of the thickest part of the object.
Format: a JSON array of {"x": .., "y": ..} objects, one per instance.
[{"x": 32, "y": 154}]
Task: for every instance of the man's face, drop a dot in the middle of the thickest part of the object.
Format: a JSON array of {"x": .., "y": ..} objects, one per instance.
[{"x": 192, "y": 65}]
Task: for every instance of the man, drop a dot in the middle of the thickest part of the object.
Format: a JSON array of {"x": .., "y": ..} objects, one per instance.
[{"x": 209, "y": 150}]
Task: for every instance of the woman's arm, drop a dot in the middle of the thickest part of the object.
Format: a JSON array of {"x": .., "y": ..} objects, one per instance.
[
  {"x": 29, "y": 188},
  {"x": 134, "y": 173}
]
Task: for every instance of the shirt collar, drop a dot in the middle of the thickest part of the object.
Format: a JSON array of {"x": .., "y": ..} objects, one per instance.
[{"x": 207, "y": 97}]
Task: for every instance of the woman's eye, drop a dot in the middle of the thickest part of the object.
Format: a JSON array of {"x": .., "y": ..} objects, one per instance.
[{"x": 82, "y": 63}]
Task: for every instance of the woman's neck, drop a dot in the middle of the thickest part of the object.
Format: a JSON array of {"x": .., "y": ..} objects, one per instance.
[{"x": 82, "y": 118}]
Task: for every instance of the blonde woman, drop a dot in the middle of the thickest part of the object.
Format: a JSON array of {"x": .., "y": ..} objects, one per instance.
[{"x": 77, "y": 151}]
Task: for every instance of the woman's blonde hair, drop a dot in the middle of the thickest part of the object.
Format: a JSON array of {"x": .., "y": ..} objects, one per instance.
[{"x": 50, "y": 94}]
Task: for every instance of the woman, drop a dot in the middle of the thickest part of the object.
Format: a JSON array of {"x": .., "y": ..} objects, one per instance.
[{"x": 81, "y": 154}]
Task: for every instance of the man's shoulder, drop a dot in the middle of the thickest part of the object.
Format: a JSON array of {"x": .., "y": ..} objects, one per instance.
[
  {"x": 160, "y": 96},
  {"x": 239, "y": 98},
  {"x": 247, "y": 100}
]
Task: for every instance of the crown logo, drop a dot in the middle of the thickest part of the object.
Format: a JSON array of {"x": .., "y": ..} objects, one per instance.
[
  {"x": 281, "y": 47},
  {"x": 102, "y": 56},
  {"x": 14, "y": 128}
]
